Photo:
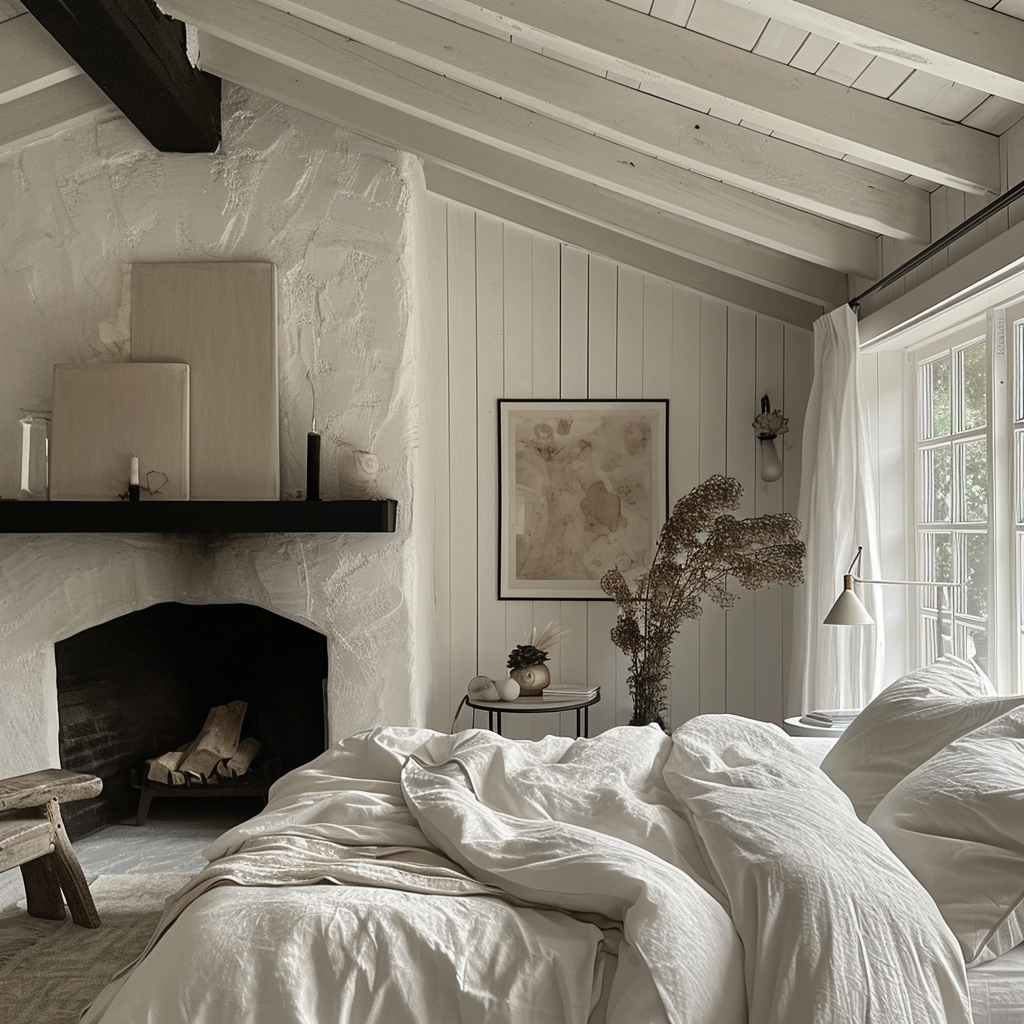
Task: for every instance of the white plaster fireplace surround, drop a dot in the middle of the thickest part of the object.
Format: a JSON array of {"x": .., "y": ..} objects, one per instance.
[{"x": 337, "y": 215}]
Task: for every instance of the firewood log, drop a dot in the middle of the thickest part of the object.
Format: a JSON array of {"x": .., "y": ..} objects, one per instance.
[
  {"x": 217, "y": 740},
  {"x": 238, "y": 765},
  {"x": 165, "y": 768}
]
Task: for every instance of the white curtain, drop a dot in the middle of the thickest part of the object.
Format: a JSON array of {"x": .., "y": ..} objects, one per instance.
[{"x": 836, "y": 666}]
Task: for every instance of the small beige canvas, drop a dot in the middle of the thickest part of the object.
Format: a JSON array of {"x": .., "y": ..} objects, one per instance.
[{"x": 103, "y": 414}]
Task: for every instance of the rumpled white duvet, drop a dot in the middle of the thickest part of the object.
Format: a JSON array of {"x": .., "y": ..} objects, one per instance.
[{"x": 714, "y": 877}]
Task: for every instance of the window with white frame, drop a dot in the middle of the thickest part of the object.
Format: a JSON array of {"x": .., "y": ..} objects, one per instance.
[
  {"x": 953, "y": 527},
  {"x": 969, "y": 497},
  {"x": 1017, "y": 557}
]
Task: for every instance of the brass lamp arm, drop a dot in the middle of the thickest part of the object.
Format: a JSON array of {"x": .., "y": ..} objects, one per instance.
[{"x": 896, "y": 583}]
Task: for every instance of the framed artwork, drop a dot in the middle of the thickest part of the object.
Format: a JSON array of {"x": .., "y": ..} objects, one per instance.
[{"x": 583, "y": 488}]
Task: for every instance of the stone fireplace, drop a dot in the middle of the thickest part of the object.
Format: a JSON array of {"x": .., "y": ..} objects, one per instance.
[
  {"x": 348, "y": 589},
  {"x": 133, "y": 688}
]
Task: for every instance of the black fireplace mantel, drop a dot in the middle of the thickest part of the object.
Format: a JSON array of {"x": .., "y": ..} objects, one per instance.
[{"x": 198, "y": 516}]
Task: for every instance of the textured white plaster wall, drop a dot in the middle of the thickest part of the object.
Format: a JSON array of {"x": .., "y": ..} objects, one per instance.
[{"x": 335, "y": 213}]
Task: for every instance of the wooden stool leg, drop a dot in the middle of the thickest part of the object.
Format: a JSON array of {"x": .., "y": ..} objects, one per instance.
[
  {"x": 145, "y": 799},
  {"x": 69, "y": 872},
  {"x": 42, "y": 889}
]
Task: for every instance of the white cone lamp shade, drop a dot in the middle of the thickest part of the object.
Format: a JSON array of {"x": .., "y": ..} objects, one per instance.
[{"x": 848, "y": 610}]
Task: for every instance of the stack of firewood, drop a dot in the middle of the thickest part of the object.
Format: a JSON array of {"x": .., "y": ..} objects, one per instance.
[{"x": 217, "y": 755}]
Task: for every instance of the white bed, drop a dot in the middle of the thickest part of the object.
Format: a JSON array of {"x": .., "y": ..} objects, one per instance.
[{"x": 718, "y": 876}]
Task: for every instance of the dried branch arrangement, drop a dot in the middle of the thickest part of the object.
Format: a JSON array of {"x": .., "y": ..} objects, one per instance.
[{"x": 699, "y": 548}]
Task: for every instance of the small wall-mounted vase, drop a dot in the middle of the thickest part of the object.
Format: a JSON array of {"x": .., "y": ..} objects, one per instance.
[{"x": 771, "y": 465}]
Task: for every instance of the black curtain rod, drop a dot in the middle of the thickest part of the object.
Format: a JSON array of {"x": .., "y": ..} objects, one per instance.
[{"x": 946, "y": 240}]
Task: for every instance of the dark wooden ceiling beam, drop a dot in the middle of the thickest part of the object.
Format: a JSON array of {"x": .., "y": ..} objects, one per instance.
[{"x": 137, "y": 56}]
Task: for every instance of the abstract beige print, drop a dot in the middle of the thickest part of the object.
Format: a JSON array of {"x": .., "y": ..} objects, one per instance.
[{"x": 583, "y": 493}]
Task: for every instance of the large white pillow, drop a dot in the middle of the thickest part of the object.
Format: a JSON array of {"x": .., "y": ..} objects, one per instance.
[
  {"x": 957, "y": 823},
  {"x": 906, "y": 723},
  {"x": 835, "y": 929}
]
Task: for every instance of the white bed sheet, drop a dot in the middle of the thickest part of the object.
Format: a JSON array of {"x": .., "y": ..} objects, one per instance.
[
  {"x": 366, "y": 955},
  {"x": 997, "y": 989}
]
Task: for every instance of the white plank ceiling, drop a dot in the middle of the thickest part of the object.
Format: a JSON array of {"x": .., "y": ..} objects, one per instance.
[{"x": 775, "y": 141}]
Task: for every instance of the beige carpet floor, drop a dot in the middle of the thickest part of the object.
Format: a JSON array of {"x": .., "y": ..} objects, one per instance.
[{"x": 51, "y": 970}]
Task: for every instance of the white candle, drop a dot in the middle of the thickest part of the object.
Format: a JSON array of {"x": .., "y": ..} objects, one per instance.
[{"x": 134, "y": 478}]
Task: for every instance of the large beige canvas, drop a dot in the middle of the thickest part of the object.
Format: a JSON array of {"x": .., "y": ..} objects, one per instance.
[
  {"x": 221, "y": 319},
  {"x": 103, "y": 414}
]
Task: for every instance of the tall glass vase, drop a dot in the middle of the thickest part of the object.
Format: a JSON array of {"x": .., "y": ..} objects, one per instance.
[{"x": 648, "y": 693}]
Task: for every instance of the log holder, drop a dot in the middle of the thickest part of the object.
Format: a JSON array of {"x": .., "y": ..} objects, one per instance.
[{"x": 248, "y": 785}]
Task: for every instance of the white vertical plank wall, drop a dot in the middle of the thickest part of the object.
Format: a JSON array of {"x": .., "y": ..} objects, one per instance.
[
  {"x": 493, "y": 625},
  {"x": 684, "y": 412},
  {"x": 525, "y": 316},
  {"x": 742, "y": 404},
  {"x": 714, "y": 354},
  {"x": 770, "y": 380},
  {"x": 434, "y": 324},
  {"x": 463, "y": 543},
  {"x": 602, "y": 667}
]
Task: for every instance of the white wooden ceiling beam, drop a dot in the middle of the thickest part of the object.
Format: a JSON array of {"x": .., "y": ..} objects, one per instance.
[
  {"x": 39, "y": 114},
  {"x": 962, "y": 42},
  {"x": 430, "y": 115},
  {"x": 622, "y": 248},
  {"x": 30, "y": 59},
  {"x": 769, "y": 167},
  {"x": 669, "y": 232},
  {"x": 837, "y": 246},
  {"x": 703, "y": 72}
]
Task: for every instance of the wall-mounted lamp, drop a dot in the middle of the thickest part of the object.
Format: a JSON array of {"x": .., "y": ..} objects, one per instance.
[
  {"x": 769, "y": 423},
  {"x": 849, "y": 610}
]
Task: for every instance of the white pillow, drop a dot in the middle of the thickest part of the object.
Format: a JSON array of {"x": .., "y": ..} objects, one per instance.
[
  {"x": 957, "y": 823},
  {"x": 906, "y": 723}
]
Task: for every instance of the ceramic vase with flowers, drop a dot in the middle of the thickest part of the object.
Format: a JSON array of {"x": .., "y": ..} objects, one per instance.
[
  {"x": 700, "y": 547},
  {"x": 527, "y": 662}
]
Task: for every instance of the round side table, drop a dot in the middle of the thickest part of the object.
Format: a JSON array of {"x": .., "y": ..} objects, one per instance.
[
  {"x": 797, "y": 728},
  {"x": 535, "y": 706}
]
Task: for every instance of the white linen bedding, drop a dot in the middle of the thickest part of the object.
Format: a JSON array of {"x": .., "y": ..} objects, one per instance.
[
  {"x": 997, "y": 989},
  {"x": 482, "y": 879}
]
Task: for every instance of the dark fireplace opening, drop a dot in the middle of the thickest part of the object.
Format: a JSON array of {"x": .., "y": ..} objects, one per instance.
[{"x": 142, "y": 684}]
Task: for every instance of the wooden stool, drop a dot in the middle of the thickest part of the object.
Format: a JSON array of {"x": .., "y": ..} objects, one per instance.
[{"x": 32, "y": 837}]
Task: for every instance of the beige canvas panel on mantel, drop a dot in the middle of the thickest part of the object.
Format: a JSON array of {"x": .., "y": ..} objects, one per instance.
[
  {"x": 103, "y": 414},
  {"x": 221, "y": 319}
]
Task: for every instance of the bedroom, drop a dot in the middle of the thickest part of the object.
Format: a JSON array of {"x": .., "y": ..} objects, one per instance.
[{"x": 553, "y": 305}]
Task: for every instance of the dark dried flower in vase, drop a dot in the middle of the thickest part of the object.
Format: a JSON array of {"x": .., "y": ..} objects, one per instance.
[
  {"x": 699, "y": 548},
  {"x": 526, "y": 661}
]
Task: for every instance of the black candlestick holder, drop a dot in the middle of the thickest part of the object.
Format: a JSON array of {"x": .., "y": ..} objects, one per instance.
[{"x": 312, "y": 466}]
